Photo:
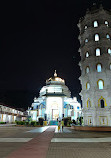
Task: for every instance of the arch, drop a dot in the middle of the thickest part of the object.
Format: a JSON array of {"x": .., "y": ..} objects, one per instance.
[
  {"x": 87, "y": 86},
  {"x": 96, "y": 37},
  {"x": 101, "y": 99},
  {"x": 99, "y": 67},
  {"x": 87, "y": 54},
  {"x": 86, "y": 40},
  {"x": 87, "y": 69},
  {"x": 100, "y": 84},
  {"x": 95, "y": 24},
  {"x": 85, "y": 27},
  {"x": 88, "y": 103},
  {"x": 106, "y": 23},
  {"x": 110, "y": 66},
  {"x": 102, "y": 103},
  {"x": 98, "y": 52},
  {"x": 108, "y": 36},
  {"x": 109, "y": 50}
]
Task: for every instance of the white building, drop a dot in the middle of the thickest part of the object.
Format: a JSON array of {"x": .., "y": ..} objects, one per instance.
[
  {"x": 54, "y": 102},
  {"x": 95, "y": 64},
  {"x": 9, "y": 115}
]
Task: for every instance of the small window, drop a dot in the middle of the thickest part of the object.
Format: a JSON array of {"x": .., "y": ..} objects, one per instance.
[
  {"x": 109, "y": 51},
  {"x": 95, "y": 24},
  {"x": 106, "y": 23},
  {"x": 89, "y": 103},
  {"x": 85, "y": 27},
  {"x": 100, "y": 84},
  {"x": 87, "y": 54},
  {"x": 98, "y": 52},
  {"x": 87, "y": 86},
  {"x": 110, "y": 66},
  {"x": 96, "y": 37},
  {"x": 87, "y": 69},
  {"x": 99, "y": 67},
  {"x": 102, "y": 103},
  {"x": 86, "y": 40},
  {"x": 108, "y": 36}
]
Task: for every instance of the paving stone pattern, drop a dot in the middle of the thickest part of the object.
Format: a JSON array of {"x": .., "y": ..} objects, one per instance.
[{"x": 80, "y": 150}]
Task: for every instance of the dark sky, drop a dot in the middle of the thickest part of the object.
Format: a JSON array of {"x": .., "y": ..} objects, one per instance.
[{"x": 37, "y": 37}]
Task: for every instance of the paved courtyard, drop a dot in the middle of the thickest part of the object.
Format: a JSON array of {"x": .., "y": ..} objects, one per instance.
[{"x": 46, "y": 142}]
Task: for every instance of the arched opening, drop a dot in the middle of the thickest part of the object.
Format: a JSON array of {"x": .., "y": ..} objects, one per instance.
[
  {"x": 100, "y": 84},
  {"x": 85, "y": 27},
  {"x": 96, "y": 37},
  {"x": 108, "y": 36},
  {"x": 110, "y": 66},
  {"x": 89, "y": 103},
  {"x": 109, "y": 51},
  {"x": 86, "y": 40},
  {"x": 99, "y": 67},
  {"x": 87, "y": 54},
  {"x": 102, "y": 103},
  {"x": 87, "y": 69},
  {"x": 87, "y": 86},
  {"x": 98, "y": 52},
  {"x": 95, "y": 24},
  {"x": 106, "y": 23}
]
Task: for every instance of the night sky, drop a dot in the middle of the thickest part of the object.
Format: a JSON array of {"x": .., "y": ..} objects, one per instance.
[{"x": 37, "y": 37}]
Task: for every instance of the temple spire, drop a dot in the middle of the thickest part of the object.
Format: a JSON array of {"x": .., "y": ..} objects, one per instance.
[{"x": 55, "y": 74}]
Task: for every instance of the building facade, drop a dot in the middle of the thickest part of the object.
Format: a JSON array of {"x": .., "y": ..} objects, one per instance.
[
  {"x": 9, "y": 115},
  {"x": 54, "y": 102},
  {"x": 95, "y": 65}
]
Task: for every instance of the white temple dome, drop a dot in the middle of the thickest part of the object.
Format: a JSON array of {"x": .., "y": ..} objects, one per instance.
[
  {"x": 55, "y": 80},
  {"x": 55, "y": 86}
]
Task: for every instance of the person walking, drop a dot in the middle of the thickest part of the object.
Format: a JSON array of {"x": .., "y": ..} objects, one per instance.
[
  {"x": 62, "y": 124},
  {"x": 59, "y": 126}
]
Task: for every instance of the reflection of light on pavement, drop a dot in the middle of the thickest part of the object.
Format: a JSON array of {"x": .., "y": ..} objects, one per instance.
[
  {"x": 38, "y": 129},
  {"x": 56, "y": 130},
  {"x": 81, "y": 140}
]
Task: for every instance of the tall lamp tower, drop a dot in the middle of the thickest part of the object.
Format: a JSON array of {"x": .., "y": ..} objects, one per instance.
[{"x": 95, "y": 65}]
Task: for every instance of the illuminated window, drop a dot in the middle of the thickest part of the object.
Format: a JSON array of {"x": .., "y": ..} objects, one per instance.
[
  {"x": 87, "y": 54},
  {"x": 106, "y": 23},
  {"x": 96, "y": 37},
  {"x": 98, "y": 52},
  {"x": 88, "y": 103},
  {"x": 86, "y": 40},
  {"x": 99, "y": 67},
  {"x": 95, "y": 24},
  {"x": 109, "y": 50},
  {"x": 110, "y": 66},
  {"x": 85, "y": 27},
  {"x": 102, "y": 103},
  {"x": 87, "y": 86},
  {"x": 108, "y": 36},
  {"x": 100, "y": 84},
  {"x": 87, "y": 69}
]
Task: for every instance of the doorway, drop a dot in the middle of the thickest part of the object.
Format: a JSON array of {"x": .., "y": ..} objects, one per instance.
[{"x": 55, "y": 114}]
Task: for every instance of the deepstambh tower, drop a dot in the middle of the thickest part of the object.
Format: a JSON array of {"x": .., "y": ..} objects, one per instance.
[{"x": 95, "y": 64}]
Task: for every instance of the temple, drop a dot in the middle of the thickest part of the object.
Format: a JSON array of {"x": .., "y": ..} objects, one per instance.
[{"x": 54, "y": 102}]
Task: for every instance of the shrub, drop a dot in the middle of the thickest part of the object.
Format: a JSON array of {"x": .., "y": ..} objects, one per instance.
[
  {"x": 37, "y": 123},
  {"x": 33, "y": 123},
  {"x": 20, "y": 122},
  {"x": 66, "y": 119},
  {"x": 26, "y": 123},
  {"x": 41, "y": 121},
  {"x": 2, "y": 122}
]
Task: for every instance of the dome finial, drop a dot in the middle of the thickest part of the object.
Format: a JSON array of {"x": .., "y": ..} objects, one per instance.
[{"x": 55, "y": 74}]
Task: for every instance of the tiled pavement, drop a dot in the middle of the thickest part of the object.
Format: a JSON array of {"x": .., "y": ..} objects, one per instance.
[
  {"x": 80, "y": 149},
  {"x": 34, "y": 144},
  {"x": 37, "y": 147}
]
